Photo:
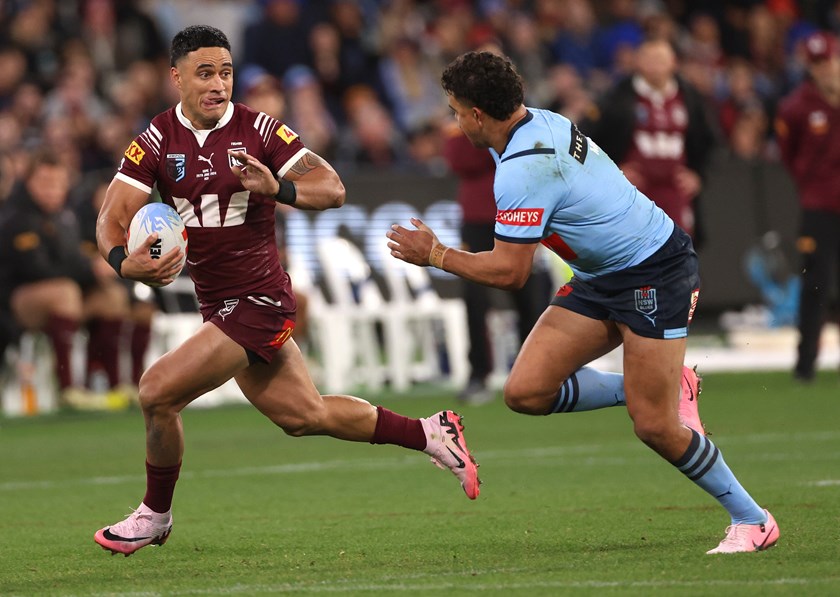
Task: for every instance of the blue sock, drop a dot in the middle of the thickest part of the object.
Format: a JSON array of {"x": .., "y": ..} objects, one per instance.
[
  {"x": 589, "y": 389},
  {"x": 703, "y": 464}
]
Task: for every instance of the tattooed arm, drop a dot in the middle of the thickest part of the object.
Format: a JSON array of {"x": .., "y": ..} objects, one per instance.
[{"x": 318, "y": 186}]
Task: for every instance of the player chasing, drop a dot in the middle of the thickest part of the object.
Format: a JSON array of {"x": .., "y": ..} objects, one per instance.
[
  {"x": 215, "y": 163},
  {"x": 635, "y": 282}
]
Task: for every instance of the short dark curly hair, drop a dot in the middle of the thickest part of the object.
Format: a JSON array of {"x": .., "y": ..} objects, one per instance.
[
  {"x": 486, "y": 81},
  {"x": 194, "y": 37}
]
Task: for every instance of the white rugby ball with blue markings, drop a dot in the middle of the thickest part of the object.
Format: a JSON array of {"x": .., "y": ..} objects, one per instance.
[{"x": 160, "y": 218}]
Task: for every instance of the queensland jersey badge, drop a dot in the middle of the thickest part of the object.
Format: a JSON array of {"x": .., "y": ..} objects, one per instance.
[{"x": 176, "y": 166}]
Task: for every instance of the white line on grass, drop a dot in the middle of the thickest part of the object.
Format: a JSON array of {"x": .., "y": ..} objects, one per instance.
[{"x": 345, "y": 586}]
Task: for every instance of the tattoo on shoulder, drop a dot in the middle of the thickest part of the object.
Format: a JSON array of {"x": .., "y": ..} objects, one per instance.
[{"x": 309, "y": 161}]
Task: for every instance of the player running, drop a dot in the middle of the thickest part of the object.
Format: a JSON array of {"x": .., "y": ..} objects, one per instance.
[
  {"x": 635, "y": 282},
  {"x": 223, "y": 167}
]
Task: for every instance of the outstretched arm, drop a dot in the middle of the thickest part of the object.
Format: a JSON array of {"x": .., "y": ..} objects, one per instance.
[
  {"x": 507, "y": 266},
  {"x": 317, "y": 185}
]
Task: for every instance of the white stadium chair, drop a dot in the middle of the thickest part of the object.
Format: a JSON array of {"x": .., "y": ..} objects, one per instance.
[
  {"x": 350, "y": 346},
  {"x": 422, "y": 321}
]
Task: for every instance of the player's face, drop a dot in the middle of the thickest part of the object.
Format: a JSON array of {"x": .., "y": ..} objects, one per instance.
[
  {"x": 469, "y": 121},
  {"x": 204, "y": 80}
]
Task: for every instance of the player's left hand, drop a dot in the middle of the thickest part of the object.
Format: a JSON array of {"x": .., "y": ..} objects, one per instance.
[
  {"x": 413, "y": 246},
  {"x": 253, "y": 174}
]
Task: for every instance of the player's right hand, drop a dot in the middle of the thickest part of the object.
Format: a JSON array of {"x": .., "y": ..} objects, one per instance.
[
  {"x": 140, "y": 266},
  {"x": 253, "y": 174},
  {"x": 412, "y": 246}
]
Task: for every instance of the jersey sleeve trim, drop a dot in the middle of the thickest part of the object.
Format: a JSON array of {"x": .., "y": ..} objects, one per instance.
[
  {"x": 539, "y": 150},
  {"x": 517, "y": 240},
  {"x": 291, "y": 162},
  {"x": 135, "y": 183}
]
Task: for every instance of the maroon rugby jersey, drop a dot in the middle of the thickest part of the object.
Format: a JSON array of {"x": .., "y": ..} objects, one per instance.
[
  {"x": 808, "y": 133},
  {"x": 658, "y": 150},
  {"x": 231, "y": 249}
]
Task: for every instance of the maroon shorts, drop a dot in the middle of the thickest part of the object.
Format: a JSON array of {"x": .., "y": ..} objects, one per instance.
[{"x": 260, "y": 323}]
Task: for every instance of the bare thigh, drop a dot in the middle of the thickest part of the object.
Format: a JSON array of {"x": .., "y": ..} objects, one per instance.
[
  {"x": 203, "y": 362},
  {"x": 561, "y": 342},
  {"x": 33, "y": 304},
  {"x": 282, "y": 387},
  {"x": 284, "y": 392}
]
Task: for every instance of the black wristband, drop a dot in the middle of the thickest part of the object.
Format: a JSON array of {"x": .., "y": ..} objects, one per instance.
[
  {"x": 287, "y": 193},
  {"x": 115, "y": 258}
]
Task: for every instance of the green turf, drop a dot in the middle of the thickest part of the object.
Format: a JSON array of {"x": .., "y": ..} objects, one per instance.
[{"x": 572, "y": 504}]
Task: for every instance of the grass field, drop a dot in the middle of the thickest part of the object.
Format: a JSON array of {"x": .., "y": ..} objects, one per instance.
[{"x": 572, "y": 504}]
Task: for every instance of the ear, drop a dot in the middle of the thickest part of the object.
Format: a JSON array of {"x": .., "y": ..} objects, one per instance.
[
  {"x": 175, "y": 77},
  {"x": 477, "y": 115}
]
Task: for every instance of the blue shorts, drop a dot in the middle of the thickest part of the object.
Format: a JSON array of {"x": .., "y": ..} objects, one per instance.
[{"x": 655, "y": 299}]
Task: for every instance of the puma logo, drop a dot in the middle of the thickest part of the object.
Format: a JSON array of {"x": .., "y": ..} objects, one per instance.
[{"x": 201, "y": 158}]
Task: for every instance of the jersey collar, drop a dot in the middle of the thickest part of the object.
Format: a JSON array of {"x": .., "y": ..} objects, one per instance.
[
  {"x": 222, "y": 121},
  {"x": 525, "y": 120}
]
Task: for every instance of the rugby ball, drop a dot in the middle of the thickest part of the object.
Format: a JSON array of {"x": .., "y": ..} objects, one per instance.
[{"x": 160, "y": 218}]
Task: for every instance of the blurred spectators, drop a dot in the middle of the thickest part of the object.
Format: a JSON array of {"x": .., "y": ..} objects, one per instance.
[
  {"x": 411, "y": 85},
  {"x": 12, "y": 73},
  {"x": 743, "y": 115},
  {"x": 526, "y": 49},
  {"x": 567, "y": 94},
  {"x": 117, "y": 33},
  {"x": 655, "y": 126},
  {"x": 576, "y": 43},
  {"x": 808, "y": 132},
  {"x": 372, "y": 139},
  {"x": 261, "y": 91},
  {"x": 344, "y": 55},
  {"x": 104, "y": 60},
  {"x": 279, "y": 39},
  {"x": 307, "y": 113},
  {"x": 49, "y": 283},
  {"x": 702, "y": 56}
]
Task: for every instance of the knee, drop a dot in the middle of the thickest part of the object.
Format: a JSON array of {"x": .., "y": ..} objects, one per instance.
[
  {"x": 295, "y": 425},
  {"x": 654, "y": 432},
  {"x": 153, "y": 396},
  {"x": 524, "y": 400},
  {"x": 299, "y": 424}
]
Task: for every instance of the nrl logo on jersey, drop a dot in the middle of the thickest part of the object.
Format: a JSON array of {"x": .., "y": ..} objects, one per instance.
[
  {"x": 230, "y": 305},
  {"x": 176, "y": 166}
]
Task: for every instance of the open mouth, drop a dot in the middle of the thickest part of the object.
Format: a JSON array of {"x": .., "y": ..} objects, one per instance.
[{"x": 212, "y": 103}]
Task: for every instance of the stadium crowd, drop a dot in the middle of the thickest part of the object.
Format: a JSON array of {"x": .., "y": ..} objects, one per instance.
[{"x": 359, "y": 79}]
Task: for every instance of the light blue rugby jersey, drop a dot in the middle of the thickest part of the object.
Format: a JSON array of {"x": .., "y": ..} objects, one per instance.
[{"x": 556, "y": 186}]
